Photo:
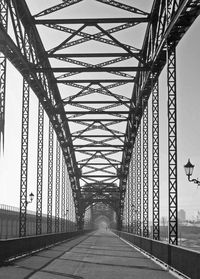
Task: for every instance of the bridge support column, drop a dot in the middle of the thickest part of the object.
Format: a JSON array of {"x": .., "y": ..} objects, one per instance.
[
  {"x": 128, "y": 202},
  {"x": 145, "y": 174},
  {"x": 50, "y": 179},
  {"x": 39, "y": 169},
  {"x": 134, "y": 190},
  {"x": 131, "y": 196},
  {"x": 63, "y": 195},
  {"x": 67, "y": 202},
  {"x": 24, "y": 159},
  {"x": 172, "y": 144},
  {"x": 57, "y": 194},
  {"x": 4, "y": 22},
  {"x": 138, "y": 179},
  {"x": 155, "y": 159},
  {"x": 24, "y": 155}
]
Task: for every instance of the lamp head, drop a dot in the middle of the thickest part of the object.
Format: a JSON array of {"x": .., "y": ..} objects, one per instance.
[
  {"x": 31, "y": 196},
  {"x": 189, "y": 167}
]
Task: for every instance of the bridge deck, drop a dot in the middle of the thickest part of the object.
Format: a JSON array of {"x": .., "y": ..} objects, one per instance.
[{"x": 100, "y": 255}]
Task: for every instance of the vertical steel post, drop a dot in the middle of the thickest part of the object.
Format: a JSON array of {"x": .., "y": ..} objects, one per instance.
[
  {"x": 67, "y": 201},
  {"x": 63, "y": 195},
  {"x": 57, "y": 196},
  {"x": 4, "y": 22},
  {"x": 138, "y": 179},
  {"x": 24, "y": 156},
  {"x": 172, "y": 145},
  {"x": 39, "y": 169},
  {"x": 70, "y": 211},
  {"x": 128, "y": 201},
  {"x": 24, "y": 159},
  {"x": 155, "y": 159},
  {"x": 130, "y": 196},
  {"x": 134, "y": 190},
  {"x": 145, "y": 175},
  {"x": 126, "y": 207},
  {"x": 50, "y": 179},
  {"x": 172, "y": 131}
]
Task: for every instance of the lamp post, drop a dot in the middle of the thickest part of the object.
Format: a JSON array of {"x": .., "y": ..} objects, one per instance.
[
  {"x": 31, "y": 197},
  {"x": 189, "y": 167}
]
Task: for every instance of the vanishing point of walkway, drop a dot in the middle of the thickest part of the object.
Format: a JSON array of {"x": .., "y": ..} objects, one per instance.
[{"x": 99, "y": 255}]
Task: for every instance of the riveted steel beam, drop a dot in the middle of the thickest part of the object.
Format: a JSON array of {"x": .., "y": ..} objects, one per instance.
[
  {"x": 91, "y": 69},
  {"x": 91, "y": 21},
  {"x": 95, "y": 81}
]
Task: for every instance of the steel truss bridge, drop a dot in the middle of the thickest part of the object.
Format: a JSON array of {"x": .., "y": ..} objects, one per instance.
[{"x": 93, "y": 77}]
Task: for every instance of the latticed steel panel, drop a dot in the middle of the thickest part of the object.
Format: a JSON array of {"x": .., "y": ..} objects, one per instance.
[
  {"x": 139, "y": 182},
  {"x": 67, "y": 201},
  {"x": 172, "y": 145},
  {"x": 155, "y": 160},
  {"x": 145, "y": 174},
  {"x": 125, "y": 213},
  {"x": 63, "y": 197},
  {"x": 24, "y": 154},
  {"x": 129, "y": 200},
  {"x": 39, "y": 168},
  {"x": 57, "y": 189},
  {"x": 4, "y": 23},
  {"x": 50, "y": 179},
  {"x": 134, "y": 189},
  {"x": 24, "y": 160}
]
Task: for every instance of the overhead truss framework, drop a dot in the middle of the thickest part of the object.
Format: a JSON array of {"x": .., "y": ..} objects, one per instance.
[{"x": 93, "y": 80}]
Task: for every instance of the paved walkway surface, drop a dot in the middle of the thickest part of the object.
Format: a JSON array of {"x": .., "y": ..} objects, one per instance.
[{"x": 101, "y": 255}]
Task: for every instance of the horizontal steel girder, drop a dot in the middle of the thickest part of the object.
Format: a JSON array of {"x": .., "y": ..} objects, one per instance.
[
  {"x": 91, "y": 69},
  {"x": 93, "y": 55},
  {"x": 97, "y": 120},
  {"x": 97, "y": 145},
  {"x": 98, "y": 150},
  {"x": 97, "y": 112},
  {"x": 96, "y": 81},
  {"x": 98, "y": 164},
  {"x": 96, "y": 102},
  {"x": 98, "y": 136},
  {"x": 92, "y": 21}
]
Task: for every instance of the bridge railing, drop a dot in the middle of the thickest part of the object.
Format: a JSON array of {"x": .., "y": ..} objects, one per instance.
[
  {"x": 183, "y": 260},
  {"x": 14, "y": 247},
  {"x": 9, "y": 223}
]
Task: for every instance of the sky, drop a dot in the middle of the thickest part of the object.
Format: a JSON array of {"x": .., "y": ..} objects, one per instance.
[{"x": 188, "y": 117}]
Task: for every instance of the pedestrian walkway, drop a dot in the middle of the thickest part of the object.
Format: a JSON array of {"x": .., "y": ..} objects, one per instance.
[{"x": 100, "y": 255}]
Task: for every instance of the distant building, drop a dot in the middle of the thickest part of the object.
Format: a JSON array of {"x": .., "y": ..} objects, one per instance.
[{"x": 181, "y": 215}]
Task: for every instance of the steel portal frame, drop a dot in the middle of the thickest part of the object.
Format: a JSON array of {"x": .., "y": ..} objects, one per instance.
[{"x": 166, "y": 25}]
